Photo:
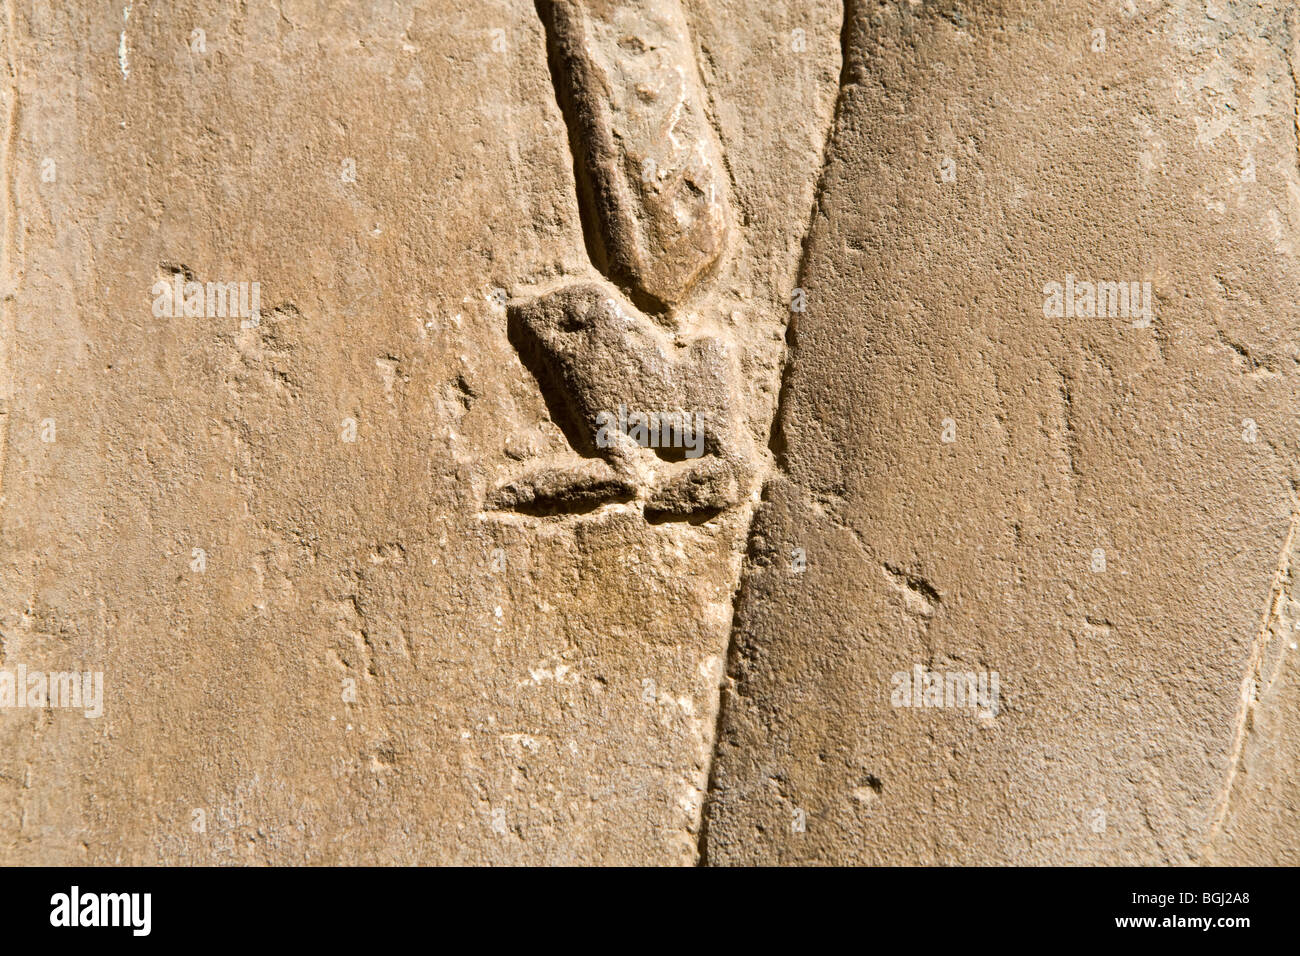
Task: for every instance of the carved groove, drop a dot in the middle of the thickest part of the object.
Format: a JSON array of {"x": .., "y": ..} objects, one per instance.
[{"x": 648, "y": 164}]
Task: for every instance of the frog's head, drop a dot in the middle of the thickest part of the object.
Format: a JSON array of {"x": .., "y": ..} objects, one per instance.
[
  {"x": 564, "y": 322},
  {"x": 564, "y": 338}
]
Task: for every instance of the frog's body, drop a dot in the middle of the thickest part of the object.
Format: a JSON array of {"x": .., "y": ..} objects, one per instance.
[{"x": 599, "y": 362}]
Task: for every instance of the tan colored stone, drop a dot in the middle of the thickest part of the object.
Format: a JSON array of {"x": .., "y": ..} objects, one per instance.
[
  {"x": 372, "y": 665},
  {"x": 363, "y": 584},
  {"x": 1105, "y": 529}
]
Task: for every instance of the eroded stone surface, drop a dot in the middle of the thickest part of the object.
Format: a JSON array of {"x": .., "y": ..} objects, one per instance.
[
  {"x": 368, "y": 668},
  {"x": 1095, "y": 508},
  {"x": 361, "y": 590}
]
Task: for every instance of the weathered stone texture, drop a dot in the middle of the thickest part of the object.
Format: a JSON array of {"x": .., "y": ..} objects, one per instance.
[
  {"x": 978, "y": 155},
  {"x": 364, "y": 584},
  {"x": 527, "y": 688}
]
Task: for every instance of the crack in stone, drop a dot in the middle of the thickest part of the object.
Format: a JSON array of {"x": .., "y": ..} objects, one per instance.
[
  {"x": 1255, "y": 679},
  {"x": 1255, "y": 682},
  {"x": 776, "y": 435}
]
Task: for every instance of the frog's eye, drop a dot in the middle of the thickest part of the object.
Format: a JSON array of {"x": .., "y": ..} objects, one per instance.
[{"x": 574, "y": 322}]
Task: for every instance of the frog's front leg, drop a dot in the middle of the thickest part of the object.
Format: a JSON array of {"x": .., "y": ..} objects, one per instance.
[{"x": 563, "y": 488}]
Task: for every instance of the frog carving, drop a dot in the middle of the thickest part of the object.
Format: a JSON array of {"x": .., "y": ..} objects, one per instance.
[
  {"x": 657, "y": 411},
  {"x": 649, "y": 406}
]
